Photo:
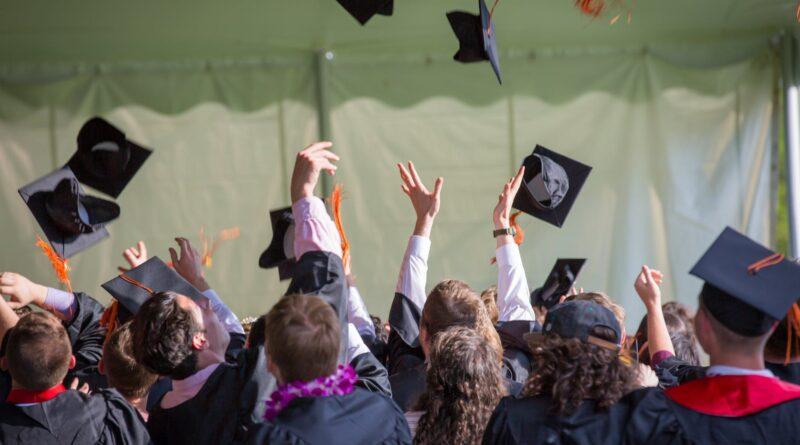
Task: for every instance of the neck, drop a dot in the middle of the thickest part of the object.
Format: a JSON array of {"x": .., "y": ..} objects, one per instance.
[
  {"x": 744, "y": 361},
  {"x": 140, "y": 403}
]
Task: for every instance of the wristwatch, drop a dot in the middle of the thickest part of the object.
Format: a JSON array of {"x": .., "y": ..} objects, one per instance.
[{"x": 507, "y": 231}]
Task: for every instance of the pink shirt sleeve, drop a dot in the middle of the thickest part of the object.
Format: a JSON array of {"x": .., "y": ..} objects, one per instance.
[
  {"x": 314, "y": 230},
  {"x": 659, "y": 357}
]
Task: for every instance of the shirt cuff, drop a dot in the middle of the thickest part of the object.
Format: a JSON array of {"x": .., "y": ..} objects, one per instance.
[
  {"x": 62, "y": 302},
  {"x": 419, "y": 246},
  {"x": 224, "y": 314},
  {"x": 507, "y": 255}
]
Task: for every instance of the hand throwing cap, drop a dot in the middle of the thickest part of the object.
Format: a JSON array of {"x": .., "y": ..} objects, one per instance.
[{"x": 106, "y": 160}]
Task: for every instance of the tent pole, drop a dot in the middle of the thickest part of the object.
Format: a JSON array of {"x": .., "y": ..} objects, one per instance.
[
  {"x": 321, "y": 59},
  {"x": 792, "y": 138}
]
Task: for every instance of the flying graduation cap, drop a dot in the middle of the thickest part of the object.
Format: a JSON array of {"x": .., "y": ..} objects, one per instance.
[
  {"x": 476, "y": 37},
  {"x": 561, "y": 279},
  {"x": 105, "y": 159},
  {"x": 748, "y": 287},
  {"x": 280, "y": 252},
  {"x": 550, "y": 185},
  {"x": 71, "y": 220},
  {"x": 363, "y": 10}
]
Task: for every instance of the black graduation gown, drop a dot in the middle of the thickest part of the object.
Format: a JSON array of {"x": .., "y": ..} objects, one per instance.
[
  {"x": 85, "y": 335},
  {"x": 409, "y": 385},
  {"x": 673, "y": 371},
  {"x": 528, "y": 421},
  {"x": 74, "y": 418},
  {"x": 788, "y": 373},
  {"x": 716, "y": 410},
  {"x": 516, "y": 356},
  {"x": 360, "y": 417},
  {"x": 403, "y": 349}
]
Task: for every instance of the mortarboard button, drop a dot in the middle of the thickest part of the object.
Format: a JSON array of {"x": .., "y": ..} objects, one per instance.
[
  {"x": 105, "y": 159},
  {"x": 280, "y": 252},
  {"x": 134, "y": 287},
  {"x": 476, "y": 37},
  {"x": 363, "y": 10},
  {"x": 71, "y": 220},
  {"x": 558, "y": 282},
  {"x": 550, "y": 185},
  {"x": 748, "y": 286}
]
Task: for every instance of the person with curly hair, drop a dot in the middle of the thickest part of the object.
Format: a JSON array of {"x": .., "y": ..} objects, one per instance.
[
  {"x": 579, "y": 377},
  {"x": 464, "y": 385}
]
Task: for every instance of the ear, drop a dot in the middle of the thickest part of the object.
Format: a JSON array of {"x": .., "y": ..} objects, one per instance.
[
  {"x": 101, "y": 367},
  {"x": 72, "y": 362},
  {"x": 199, "y": 341},
  {"x": 274, "y": 370}
]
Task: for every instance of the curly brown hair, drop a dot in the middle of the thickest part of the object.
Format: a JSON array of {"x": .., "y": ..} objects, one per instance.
[
  {"x": 571, "y": 371},
  {"x": 465, "y": 383}
]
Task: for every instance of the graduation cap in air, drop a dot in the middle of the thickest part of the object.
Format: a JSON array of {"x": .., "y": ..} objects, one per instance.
[
  {"x": 106, "y": 160},
  {"x": 550, "y": 185},
  {"x": 363, "y": 10},
  {"x": 132, "y": 288},
  {"x": 561, "y": 279},
  {"x": 280, "y": 252},
  {"x": 476, "y": 37},
  {"x": 747, "y": 286},
  {"x": 71, "y": 220}
]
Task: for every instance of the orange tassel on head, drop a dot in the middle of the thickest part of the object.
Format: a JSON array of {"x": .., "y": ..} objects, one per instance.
[
  {"x": 792, "y": 333},
  {"x": 223, "y": 235},
  {"x": 60, "y": 265},
  {"x": 519, "y": 238},
  {"x": 109, "y": 319},
  {"x": 336, "y": 204}
]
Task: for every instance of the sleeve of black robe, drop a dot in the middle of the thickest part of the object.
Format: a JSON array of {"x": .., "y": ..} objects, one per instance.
[
  {"x": 85, "y": 333},
  {"x": 404, "y": 349},
  {"x": 372, "y": 375},
  {"x": 673, "y": 371},
  {"x": 121, "y": 423}
]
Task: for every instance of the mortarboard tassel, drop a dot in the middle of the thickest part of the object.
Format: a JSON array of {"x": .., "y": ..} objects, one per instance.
[
  {"x": 591, "y": 7},
  {"x": 519, "y": 238},
  {"x": 336, "y": 204},
  {"x": 60, "y": 265},
  {"x": 223, "y": 235},
  {"x": 792, "y": 333},
  {"x": 109, "y": 319}
]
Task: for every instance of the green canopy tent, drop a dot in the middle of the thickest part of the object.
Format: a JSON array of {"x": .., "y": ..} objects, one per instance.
[{"x": 679, "y": 112}]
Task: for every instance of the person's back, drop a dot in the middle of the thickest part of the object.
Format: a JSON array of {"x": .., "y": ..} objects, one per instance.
[
  {"x": 316, "y": 401},
  {"x": 40, "y": 410}
]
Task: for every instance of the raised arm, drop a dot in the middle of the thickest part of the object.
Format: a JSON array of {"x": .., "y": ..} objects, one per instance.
[
  {"x": 513, "y": 295},
  {"x": 659, "y": 343}
]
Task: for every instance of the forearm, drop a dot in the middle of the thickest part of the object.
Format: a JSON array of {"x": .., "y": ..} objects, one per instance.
[
  {"x": 513, "y": 295},
  {"x": 224, "y": 314},
  {"x": 414, "y": 270},
  {"x": 657, "y": 333}
]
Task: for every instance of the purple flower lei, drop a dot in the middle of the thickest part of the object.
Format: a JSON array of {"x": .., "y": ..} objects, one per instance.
[{"x": 339, "y": 383}]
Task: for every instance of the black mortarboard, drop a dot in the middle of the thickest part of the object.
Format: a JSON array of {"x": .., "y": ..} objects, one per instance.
[
  {"x": 134, "y": 287},
  {"x": 578, "y": 318},
  {"x": 106, "y": 160},
  {"x": 747, "y": 286},
  {"x": 71, "y": 220},
  {"x": 280, "y": 252},
  {"x": 558, "y": 283},
  {"x": 550, "y": 185},
  {"x": 476, "y": 37},
  {"x": 363, "y": 10}
]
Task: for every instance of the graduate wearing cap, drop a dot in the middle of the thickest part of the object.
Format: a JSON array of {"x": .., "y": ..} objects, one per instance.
[
  {"x": 748, "y": 289},
  {"x": 579, "y": 376}
]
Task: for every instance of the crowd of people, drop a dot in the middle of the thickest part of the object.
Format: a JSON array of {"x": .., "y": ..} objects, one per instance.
[{"x": 169, "y": 363}]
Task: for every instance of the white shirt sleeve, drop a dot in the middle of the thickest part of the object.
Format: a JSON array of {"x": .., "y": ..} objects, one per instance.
[
  {"x": 358, "y": 315},
  {"x": 513, "y": 295},
  {"x": 225, "y": 315},
  {"x": 355, "y": 345},
  {"x": 414, "y": 270}
]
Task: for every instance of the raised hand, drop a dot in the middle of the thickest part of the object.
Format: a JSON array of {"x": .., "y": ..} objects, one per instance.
[
  {"x": 134, "y": 256},
  {"x": 426, "y": 203},
  {"x": 21, "y": 290},
  {"x": 307, "y": 166},
  {"x": 647, "y": 286},
  {"x": 83, "y": 388},
  {"x": 502, "y": 211},
  {"x": 189, "y": 264}
]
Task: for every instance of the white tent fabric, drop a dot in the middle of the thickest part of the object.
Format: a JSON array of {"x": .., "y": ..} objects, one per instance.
[{"x": 681, "y": 147}]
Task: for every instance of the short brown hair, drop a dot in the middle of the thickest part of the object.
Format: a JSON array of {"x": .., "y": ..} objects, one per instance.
[
  {"x": 489, "y": 299},
  {"x": 124, "y": 374},
  {"x": 303, "y": 337},
  {"x": 453, "y": 303},
  {"x": 38, "y": 351}
]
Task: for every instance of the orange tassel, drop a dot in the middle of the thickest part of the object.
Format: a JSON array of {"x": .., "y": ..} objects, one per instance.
[
  {"x": 520, "y": 234},
  {"x": 792, "y": 333},
  {"x": 336, "y": 204},
  {"x": 109, "y": 319},
  {"x": 60, "y": 265},
  {"x": 223, "y": 235}
]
